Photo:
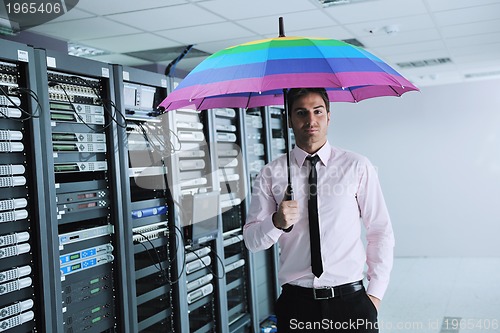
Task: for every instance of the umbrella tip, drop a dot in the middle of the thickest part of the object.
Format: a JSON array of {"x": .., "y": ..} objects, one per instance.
[{"x": 281, "y": 27}]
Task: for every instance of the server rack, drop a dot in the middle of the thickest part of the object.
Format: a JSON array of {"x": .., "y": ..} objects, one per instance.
[
  {"x": 84, "y": 219},
  {"x": 258, "y": 136},
  {"x": 200, "y": 296},
  {"x": 228, "y": 128},
  {"x": 22, "y": 282},
  {"x": 276, "y": 135},
  {"x": 147, "y": 206},
  {"x": 277, "y": 130}
]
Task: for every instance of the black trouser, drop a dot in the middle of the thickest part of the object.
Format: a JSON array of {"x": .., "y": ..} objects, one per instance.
[{"x": 300, "y": 312}]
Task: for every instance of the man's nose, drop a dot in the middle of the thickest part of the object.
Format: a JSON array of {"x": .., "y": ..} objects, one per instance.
[{"x": 310, "y": 118}]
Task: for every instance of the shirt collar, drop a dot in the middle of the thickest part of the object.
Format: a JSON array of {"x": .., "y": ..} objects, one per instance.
[{"x": 324, "y": 154}]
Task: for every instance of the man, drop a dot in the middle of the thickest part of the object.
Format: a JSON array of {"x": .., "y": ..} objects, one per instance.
[{"x": 319, "y": 232}]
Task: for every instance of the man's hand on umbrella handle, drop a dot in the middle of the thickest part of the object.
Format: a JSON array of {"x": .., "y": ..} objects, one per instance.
[{"x": 287, "y": 214}]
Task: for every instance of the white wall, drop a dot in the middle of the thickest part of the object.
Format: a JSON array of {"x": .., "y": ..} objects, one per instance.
[{"x": 438, "y": 157}]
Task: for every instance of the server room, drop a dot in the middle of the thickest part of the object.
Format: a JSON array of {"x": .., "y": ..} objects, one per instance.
[{"x": 134, "y": 147}]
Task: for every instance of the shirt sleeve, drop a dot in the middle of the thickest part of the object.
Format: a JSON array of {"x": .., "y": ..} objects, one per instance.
[
  {"x": 259, "y": 231},
  {"x": 379, "y": 233}
]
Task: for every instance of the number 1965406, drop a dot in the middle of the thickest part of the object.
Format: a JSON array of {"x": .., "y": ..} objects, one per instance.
[{"x": 33, "y": 8}]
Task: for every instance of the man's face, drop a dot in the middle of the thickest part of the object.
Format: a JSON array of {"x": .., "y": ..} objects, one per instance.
[{"x": 309, "y": 120}]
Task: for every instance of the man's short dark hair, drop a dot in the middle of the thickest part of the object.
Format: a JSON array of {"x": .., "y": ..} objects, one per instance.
[{"x": 296, "y": 93}]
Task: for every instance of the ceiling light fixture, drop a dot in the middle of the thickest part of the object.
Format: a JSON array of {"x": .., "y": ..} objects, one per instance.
[
  {"x": 84, "y": 51},
  {"x": 424, "y": 63}
]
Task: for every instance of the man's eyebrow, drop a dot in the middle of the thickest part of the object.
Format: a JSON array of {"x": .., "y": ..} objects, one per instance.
[{"x": 314, "y": 108}]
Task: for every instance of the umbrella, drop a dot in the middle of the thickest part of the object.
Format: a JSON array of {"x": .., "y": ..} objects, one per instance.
[{"x": 259, "y": 73}]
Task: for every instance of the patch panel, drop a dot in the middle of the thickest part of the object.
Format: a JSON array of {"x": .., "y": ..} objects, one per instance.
[{"x": 16, "y": 308}]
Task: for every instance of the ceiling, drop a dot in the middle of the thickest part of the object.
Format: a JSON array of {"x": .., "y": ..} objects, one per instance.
[{"x": 419, "y": 32}]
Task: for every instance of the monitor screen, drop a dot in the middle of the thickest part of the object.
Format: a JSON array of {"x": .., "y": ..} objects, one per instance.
[
  {"x": 147, "y": 97},
  {"x": 205, "y": 219},
  {"x": 129, "y": 96}
]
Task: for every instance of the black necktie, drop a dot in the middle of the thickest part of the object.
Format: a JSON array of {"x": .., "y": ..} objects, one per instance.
[{"x": 317, "y": 265}]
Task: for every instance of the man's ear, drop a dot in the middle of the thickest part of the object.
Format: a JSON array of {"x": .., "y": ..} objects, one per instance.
[{"x": 290, "y": 122}]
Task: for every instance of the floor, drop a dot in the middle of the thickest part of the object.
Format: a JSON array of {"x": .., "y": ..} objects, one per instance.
[{"x": 445, "y": 295}]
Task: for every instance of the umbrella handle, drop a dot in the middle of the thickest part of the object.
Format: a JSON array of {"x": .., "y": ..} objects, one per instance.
[{"x": 288, "y": 196}]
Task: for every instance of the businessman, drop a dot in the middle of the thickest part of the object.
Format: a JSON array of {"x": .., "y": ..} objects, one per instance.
[{"x": 323, "y": 257}]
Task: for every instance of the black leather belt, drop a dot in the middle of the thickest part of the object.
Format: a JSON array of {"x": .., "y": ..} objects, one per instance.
[{"x": 325, "y": 292}]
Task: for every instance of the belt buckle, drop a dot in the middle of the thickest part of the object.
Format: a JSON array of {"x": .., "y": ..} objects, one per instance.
[{"x": 319, "y": 297}]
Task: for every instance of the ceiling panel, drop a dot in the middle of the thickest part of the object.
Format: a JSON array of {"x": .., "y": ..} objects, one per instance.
[
  {"x": 129, "y": 43},
  {"x": 415, "y": 36},
  {"x": 120, "y": 59},
  {"x": 205, "y": 33},
  {"x": 292, "y": 22},
  {"x": 85, "y": 29},
  {"x": 100, "y": 7},
  {"x": 476, "y": 28},
  {"x": 213, "y": 47},
  {"x": 410, "y": 48},
  {"x": 481, "y": 58},
  {"x": 367, "y": 11},
  {"x": 167, "y": 18},
  {"x": 334, "y": 32},
  {"x": 256, "y": 8},
  {"x": 73, "y": 14},
  {"x": 440, "y": 5},
  {"x": 468, "y": 15},
  {"x": 474, "y": 41},
  {"x": 485, "y": 68},
  {"x": 487, "y": 48},
  {"x": 407, "y": 23}
]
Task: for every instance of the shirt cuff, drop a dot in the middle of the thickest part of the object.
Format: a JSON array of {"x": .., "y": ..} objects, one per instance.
[
  {"x": 269, "y": 229},
  {"x": 376, "y": 288}
]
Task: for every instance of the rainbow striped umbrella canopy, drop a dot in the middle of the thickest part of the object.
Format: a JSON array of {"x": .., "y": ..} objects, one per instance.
[{"x": 255, "y": 73}]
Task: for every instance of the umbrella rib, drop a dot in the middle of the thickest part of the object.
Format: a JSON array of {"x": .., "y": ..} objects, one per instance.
[
  {"x": 366, "y": 54},
  {"x": 352, "y": 94},
  {"x": 329, "y": 65},
  {"x": 248, "y": 100},
  {"x": 265, "y": 64},
  {"x": 398, "y": 94}
]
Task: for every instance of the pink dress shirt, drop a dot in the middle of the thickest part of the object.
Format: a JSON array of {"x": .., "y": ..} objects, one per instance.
[{"x": 348, "y": 193}]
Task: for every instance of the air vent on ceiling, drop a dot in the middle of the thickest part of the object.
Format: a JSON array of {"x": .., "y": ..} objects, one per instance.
[
  {"x": 329, "y": 3},
  {"x": 424, "y": 63},
  {"x": 167, "y": 54}
]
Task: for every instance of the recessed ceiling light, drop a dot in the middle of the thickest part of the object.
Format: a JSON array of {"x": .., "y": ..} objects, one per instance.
[{"x": 84, "y": 51}]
